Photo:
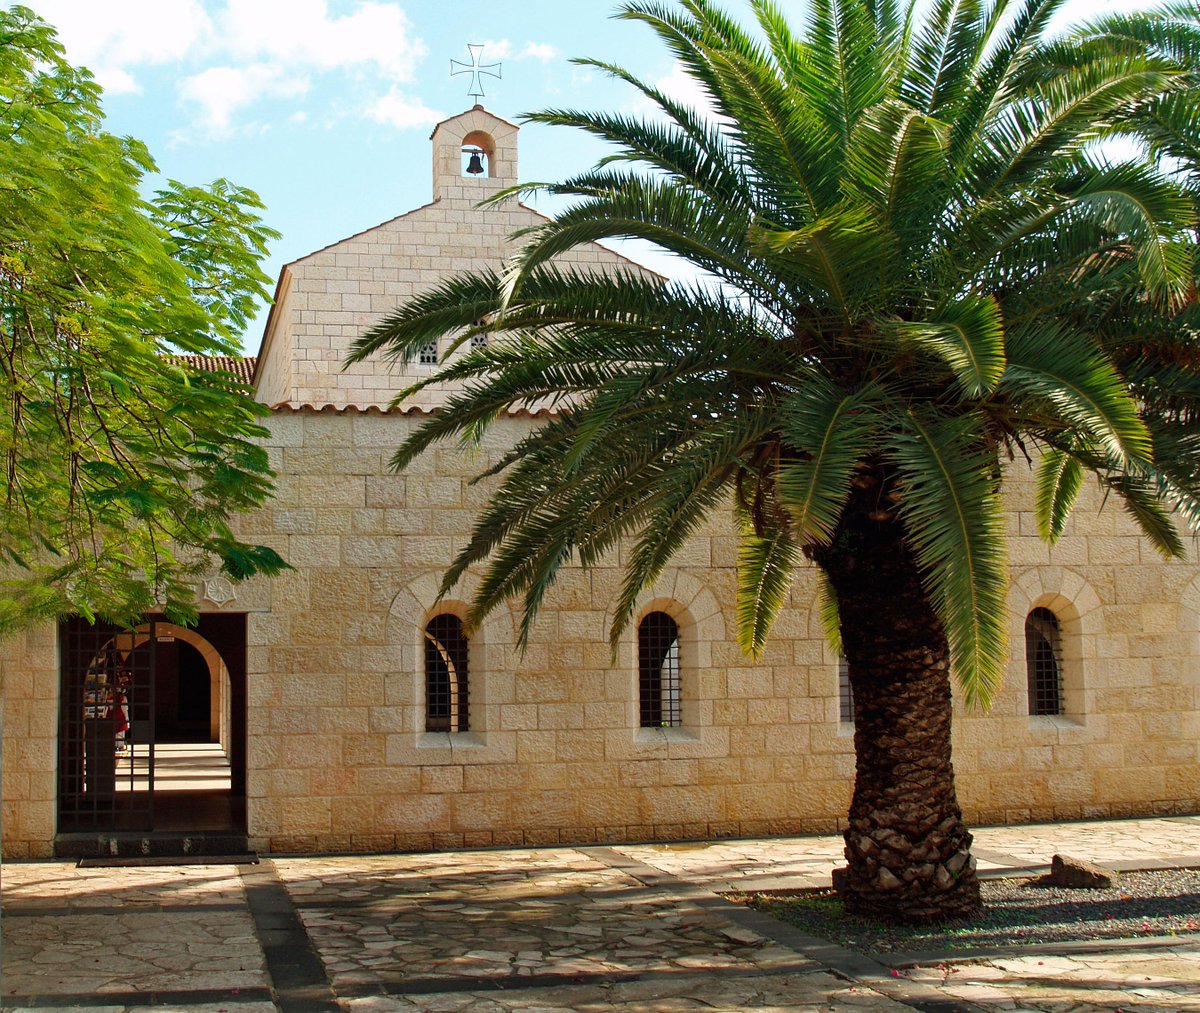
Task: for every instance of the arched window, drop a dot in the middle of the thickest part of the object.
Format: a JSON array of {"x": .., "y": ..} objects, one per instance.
[
  {"x": 659, "y": 671},
  {"x": 446, "y": 650},
  {"x": 845, "y": 693},
  {"x": 1043, "y": 661}
]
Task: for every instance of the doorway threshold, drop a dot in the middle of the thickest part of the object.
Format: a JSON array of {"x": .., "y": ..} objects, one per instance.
[
  {"x": 141, "y": 861},
  {"x": 134, "y": 844}
]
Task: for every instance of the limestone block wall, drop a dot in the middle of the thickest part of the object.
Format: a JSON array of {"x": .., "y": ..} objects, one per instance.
[
  {"x": 28, "y": 754},
  {"x": 1128, "y": 742},
  {"x": 339, "y": 759},
  {"x": 336, "y": 293},
  {"x": 274, "y": 372}
]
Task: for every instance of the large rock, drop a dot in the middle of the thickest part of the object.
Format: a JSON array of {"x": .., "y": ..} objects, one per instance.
[{"x": 1077, "y": 874}]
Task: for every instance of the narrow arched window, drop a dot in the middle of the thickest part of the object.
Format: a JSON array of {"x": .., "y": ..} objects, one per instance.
[
  {"x": 446, "y": 650},
  {"x": 1043, "y": 661},
  {"x": 659, "y": 675},
  {"x": 845, "y": 693}
]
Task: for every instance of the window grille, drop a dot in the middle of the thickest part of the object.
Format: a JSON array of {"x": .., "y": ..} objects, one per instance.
[
  {"x": 428, "y": 354},
  {"x": 659, "y": 671},
  {"x": 845, "y": 693},
  {"x": 446, "y": 650},
  {"x": 1043, "y": 661},
  {"x": 478, "y": 341}
]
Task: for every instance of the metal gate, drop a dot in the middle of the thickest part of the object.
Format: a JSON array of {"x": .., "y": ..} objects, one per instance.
[{"x": 106, "y": 727}]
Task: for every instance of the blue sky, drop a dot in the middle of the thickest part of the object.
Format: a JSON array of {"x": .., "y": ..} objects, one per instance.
[{"x": 324, "y": 107}]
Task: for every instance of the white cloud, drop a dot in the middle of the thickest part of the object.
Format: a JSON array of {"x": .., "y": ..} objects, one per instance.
[
  {"x": 117, "y": 82},
  {"x": 119, "y": 34},
  {"x": 398, "y": 110},
  {"x": 113, "y": 38},
  {"x": 302, "y": 33},
  {"x": 493, "y": 50},
  {"x": 504, "y": 49},
  {"x": 235, "y": 54},
  {"x": 684, "y": 89},
  {"x": 223, "y": 91},
  {"x": 539, "y": 51}
]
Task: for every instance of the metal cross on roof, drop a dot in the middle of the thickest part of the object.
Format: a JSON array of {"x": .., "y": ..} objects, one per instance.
[{"x": 476, "y": 70}]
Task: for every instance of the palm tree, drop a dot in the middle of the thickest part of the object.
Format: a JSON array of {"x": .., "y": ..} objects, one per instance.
[{"x": 926, "y": 267}]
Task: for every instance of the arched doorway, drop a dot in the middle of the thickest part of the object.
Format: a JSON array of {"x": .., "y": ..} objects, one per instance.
[{"x": 152, "y": 726}]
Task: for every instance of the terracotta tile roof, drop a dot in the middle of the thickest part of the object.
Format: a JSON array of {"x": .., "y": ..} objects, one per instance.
[
  {"x": 307, "y": 408},
  {"x": 241, "y": 366}
]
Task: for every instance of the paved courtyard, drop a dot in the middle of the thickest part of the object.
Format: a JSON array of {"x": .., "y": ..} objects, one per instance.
[{"x": 625, "y": 928}]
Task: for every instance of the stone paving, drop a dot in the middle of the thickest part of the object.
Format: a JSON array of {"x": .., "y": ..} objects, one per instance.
[
  {"x": 779, "y": 994},
  {"x": 123, "y": 951},
  {"x": 527, "y": 913},
  {"x": 630, "y": 928},
  {"x": 40, "y": 885},
  {"x": 759, "y": 864},
  {"x": 1159, "y": 979}
]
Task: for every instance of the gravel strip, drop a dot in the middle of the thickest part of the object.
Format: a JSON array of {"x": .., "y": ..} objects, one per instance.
[{"x": 1157, "y": 903}]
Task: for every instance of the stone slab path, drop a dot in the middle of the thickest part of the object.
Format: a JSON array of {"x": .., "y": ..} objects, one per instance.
[{"x": 627, "y": 928}]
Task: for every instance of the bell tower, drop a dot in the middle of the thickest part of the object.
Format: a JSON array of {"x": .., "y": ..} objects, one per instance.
[{"x": 474, "y": 155}]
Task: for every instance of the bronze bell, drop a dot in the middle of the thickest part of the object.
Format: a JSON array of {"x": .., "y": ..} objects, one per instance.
[{"x": 475, "y": 165}]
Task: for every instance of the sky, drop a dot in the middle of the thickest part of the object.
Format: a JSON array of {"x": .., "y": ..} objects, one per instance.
[{"x": 324, "y": 107}]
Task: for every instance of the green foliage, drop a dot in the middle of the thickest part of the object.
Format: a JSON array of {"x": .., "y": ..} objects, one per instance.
[
  {"x": 923, "y": 267},
  {"x": 122, "y": 466}
]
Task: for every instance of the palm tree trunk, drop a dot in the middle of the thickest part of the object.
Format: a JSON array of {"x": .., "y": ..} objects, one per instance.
[{"x": 907, "y": 847}]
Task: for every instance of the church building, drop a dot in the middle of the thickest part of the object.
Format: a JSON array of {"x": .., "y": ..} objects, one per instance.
[{"x": 340, "y": 707}]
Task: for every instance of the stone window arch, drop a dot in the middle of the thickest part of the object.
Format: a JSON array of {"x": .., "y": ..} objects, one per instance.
[
  {"x": 1044, "y": 662},
  {"x": 1078, "y": 616},
  {"x": 447, "y": 676},
  {"x": 660, "y": 671}
]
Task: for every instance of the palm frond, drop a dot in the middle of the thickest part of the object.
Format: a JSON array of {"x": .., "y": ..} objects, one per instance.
[
  {"x": 827, "y": 612},
  {"x": 969, "y": 336},
  {"x": 765, "y": 565},
  {"x": 1063, "y": 375},
  {"x": 828, "y": 432},
  {"x": 952, "y": 512},
  {"x": 1147, "y": 504},
  {"x": 1059, "y": 479}
]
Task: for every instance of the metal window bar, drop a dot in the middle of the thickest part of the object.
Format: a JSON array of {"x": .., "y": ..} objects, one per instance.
[
  {"x": 845, "y": 693},
  {"x": 1043, "y": 662},
  {"x": 659, "y": 675},
  {"x": 446, "y": 675},
  {"x": 427, "y": 355},
  {"x": 106, "y": 727}
]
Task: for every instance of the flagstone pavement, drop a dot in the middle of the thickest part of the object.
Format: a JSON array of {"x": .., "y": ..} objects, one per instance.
[{"x": 598, "y": 929}]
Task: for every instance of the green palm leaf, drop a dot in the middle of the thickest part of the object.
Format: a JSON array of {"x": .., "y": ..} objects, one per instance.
[
  {"x": 969, "y": 336},
  {"x": 765, "y": 566},
  {"x": 951, "y": 509},
  {"x": 1061, "y": 372},
  {"x": 829, "y": 433},
  {"x": 1059, "y": 479}
]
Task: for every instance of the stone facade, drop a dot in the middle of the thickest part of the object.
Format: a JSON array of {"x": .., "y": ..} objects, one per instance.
[{"x": 338, "y": 758}]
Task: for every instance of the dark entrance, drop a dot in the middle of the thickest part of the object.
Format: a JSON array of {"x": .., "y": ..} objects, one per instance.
[
  {"x": 152, "y": 726},
  {"x": 183, "y": 693}
]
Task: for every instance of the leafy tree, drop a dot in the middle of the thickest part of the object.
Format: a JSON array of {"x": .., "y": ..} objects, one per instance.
[
  {"x": 121, "y": 464},
  {"x": 928, "y": 268}
]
